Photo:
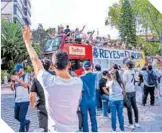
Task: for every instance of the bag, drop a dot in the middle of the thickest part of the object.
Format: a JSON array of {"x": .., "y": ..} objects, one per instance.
[
  {"x": 151, "y": 78},
  {"x": 23, "y": 77}
]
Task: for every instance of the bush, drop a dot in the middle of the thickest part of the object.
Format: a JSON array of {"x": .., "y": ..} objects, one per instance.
[
  {"x": 150, "y": 48},
  {"x": 3, "y": 73},
  {"x": 29, "y": 69}
]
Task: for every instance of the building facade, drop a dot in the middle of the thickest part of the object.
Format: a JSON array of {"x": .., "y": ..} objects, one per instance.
[{"x": 18, "y": 11}]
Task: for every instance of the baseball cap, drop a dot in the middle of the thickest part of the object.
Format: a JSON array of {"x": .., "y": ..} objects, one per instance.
[
  {"x": 87, "y": 64},
  {"x": 129, "y": 62},
  {"x": 18, "y": 67}
]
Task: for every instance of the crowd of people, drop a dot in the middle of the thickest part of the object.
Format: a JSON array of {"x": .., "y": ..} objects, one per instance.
[
  {"x": 79, "y": 36},
  {"x": 64, "y": 101}
]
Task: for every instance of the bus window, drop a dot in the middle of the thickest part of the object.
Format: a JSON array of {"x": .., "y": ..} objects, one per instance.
[
  {"x": 52, "y": 44},
  {"x": 76, "y": 64}
]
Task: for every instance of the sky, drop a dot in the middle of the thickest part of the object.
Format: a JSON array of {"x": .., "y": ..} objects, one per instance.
[{"x": 75, "y": 13}]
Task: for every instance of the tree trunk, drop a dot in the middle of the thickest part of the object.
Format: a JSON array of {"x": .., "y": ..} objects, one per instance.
[{"x": 160, "y": 43}]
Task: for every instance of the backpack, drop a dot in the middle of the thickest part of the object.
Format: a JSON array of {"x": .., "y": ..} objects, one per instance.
[{"x": 151, "y": 78}]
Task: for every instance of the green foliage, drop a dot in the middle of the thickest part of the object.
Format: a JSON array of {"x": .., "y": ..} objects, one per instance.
[
  {"x": 3, "y": 73},
  {"x": 113, "y": 16},
  {"x": 29, "y": 69},
  {"x": 13, "y": 49},
  {"x": 12, "y": 44},
  {"x": 127, "y": 25},
  {"x": 40, "y": 35},
  {"x": 149, "y": 16},
  {"x": 51, "y": 31},
  {"x": 37, "y": 48},
  {"x": 150, "y": 48}
]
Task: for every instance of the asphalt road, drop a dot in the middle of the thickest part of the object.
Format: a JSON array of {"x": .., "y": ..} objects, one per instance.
[{"x": 150, "y": 117}]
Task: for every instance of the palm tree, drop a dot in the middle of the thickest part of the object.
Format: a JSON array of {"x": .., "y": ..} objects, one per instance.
[{"x": 12, "y": 44}]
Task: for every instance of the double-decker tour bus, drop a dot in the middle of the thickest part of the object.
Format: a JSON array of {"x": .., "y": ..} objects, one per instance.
[{"x": 78, "y": 53}]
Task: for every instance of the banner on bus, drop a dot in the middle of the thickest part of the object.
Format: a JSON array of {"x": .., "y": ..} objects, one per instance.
[{"x": 115, "y": 54}]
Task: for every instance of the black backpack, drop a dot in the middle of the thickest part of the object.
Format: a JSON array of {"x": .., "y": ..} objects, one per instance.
[{"x": 151, "y": 78}]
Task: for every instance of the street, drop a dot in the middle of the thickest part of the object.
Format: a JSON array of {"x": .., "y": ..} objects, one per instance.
[{"x": 150, "y": 118}]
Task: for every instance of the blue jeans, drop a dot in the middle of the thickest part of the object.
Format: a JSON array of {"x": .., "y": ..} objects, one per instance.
[
  {"x": 117, "y": 108},
  {"x": 20, "y": 114},
  {"x": 98, "y": 100},
  {"x": 91, "y": 107},
  {"x": 106, "y": 107}
]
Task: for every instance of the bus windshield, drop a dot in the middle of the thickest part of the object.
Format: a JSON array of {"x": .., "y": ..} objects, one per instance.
[{"x": 52, "y": 44}]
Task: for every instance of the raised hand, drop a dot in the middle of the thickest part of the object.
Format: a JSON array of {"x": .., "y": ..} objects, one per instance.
[{"x": 27, "y": 35}]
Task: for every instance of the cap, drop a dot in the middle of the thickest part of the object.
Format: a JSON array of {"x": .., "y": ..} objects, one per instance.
[
  {"x": 18, "y": 67},
  {"x": 87, "y": 64},
  {"x": 129, "y": 62}
]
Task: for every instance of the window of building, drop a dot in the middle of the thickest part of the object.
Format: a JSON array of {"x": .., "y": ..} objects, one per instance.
[{"x": 15, "y": 9}]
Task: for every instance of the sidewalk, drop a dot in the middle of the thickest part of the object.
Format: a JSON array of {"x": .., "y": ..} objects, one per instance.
[
  {"x": 5, "y": 89},
  {"x": 150, "y": 117}
]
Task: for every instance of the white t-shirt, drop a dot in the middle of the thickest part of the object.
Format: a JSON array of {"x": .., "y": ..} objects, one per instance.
[
  {"x": 21, "y": 93},
  {"x": 78, "y": 35},
  {"x": 129, "y": 78},
  {"x": 62, "y": 100},
  {"x": 115, "y": 90}
]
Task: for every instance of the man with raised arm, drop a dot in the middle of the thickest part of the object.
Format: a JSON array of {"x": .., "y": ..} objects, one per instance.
[{"x": 62, "y": 92}]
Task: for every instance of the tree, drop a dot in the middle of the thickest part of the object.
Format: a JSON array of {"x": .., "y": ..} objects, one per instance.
[
  {"x": 150, "y": 48},
  {"x": 113, "y": 18},
  {"x": 40, "y": 35},
  {"x": 127, "y": 25},
  {"x": 13, "y": 49},
  {"x": 149, "y": 16},
  {"x": 51, "y": 31}
]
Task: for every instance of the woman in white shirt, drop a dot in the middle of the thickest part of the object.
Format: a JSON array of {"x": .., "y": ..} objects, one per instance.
[{"x": 116, "y": 91}]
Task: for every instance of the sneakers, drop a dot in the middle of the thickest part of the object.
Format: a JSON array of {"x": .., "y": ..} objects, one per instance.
[
  {"x": 129, "y": 126},
  {"x": 137, "y": 125},
  {"x": 113, "y": 131},
  {"x": 27, "y": 126}
]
